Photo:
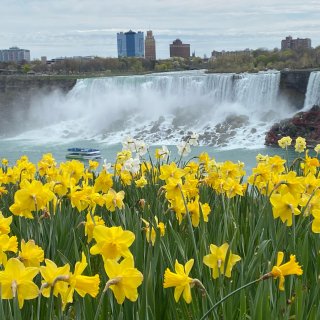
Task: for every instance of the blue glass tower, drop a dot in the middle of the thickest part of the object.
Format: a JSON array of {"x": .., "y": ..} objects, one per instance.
[{"x": 130, "y": 44}]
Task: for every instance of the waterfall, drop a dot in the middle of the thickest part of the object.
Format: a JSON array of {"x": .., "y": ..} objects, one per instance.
[
  {"x": 313, "y": 91},
  {"x": 258, "y": 89},
  {"x": 227, "y": 110}
]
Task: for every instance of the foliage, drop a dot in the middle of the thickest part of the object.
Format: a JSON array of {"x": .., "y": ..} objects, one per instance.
[{"x": 261, "y": 59}]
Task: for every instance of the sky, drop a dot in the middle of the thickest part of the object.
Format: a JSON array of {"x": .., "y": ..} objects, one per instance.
[{"x": 66, "y": 28}]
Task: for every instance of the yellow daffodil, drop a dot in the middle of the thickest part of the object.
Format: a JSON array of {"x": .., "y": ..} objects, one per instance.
[
  {"x": 190, "y": 187},
  {"x": 74, "y": 168},
  {"x": 31, "y": 255},
  {"x": 123, "y": 156},
  {"x": 300, "y": 145},
  {"x": 317, "y": 148},
  {"x": 61, "y": 184},
  {"x": 315, "y": 226},
  {"x": 171, "y": 171},
  {"x": 27, "y": 169},
  {"x": 162, "y": 154},
  {"x": 204, "y": 158},
  {"x": 3, "y": 190},
  {"x": 81, "y": 284},
  {"x": 151, "y": 234},
  {"x": 291, "y": 183},
  {"x": 284, "y": 205},
  {"x": 126, "y": 177},
  {"x": 285, "y": 142},
  {"x": 231, "y": 170},
  {"x": 16, "y": 281},
  {"x": 12, "y": 175},
  {"x": 217, "y": 260},
  {"x": 260, "y": 158},
  {"x": 177, "y": 205},
  {"x": 90, "y": 224},
  {"x": 114, "y": 200},
  {"x": 32, "y": 196},
  {"x": 276, "y": 164},
  {"x": 56, "y": 277},
  {"x": 232, "y": 188},
  {"x": 173, "y": 188},
  {"x": 103, "y": 182},
  {"x": 45, "y": 164},
  {"x": 5, "y": 224},
  {"x": 7, "y": 244},
  {"x": 180, "y": 280},
  {"x": 194, "y": 211},
  {"x": 140, "y": 183},
  {"x": 124, "y": 279},
  {"x": 206, "y": 210},
  {"x": 112, "y": 243},
  {"x": 310, "y": 164},
  {"x": 93, "y": 165},
  {"x": 5, "y": 162},
  {"x": 289, "y": 268}
]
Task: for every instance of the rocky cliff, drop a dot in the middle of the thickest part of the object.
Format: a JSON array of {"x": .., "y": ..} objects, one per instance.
[
  {"x": 303, "y": 124},
  {"x": 293, "y": 86},
  {"x": 26, "y": 83},
  {"x": 17, "y": 92}
]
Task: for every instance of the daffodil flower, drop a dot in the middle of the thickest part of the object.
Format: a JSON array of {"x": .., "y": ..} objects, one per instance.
[
  {"x": 180, "y": 280},
  {"x": 282, "y": 270}
]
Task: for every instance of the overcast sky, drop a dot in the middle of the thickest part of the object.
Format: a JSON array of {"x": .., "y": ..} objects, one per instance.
[{"x": 56, "y": 28}]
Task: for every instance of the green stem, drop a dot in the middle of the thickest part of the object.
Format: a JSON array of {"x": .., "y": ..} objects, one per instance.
[
  {"x": 108, "y": 284},
  {"x": 51, "y": 303},
  {"x": 191, "y": 230},
  {"x": 39, "y": 304},
  {"x": 228, "y": 296},
  {"x": 17, "y": 312}
]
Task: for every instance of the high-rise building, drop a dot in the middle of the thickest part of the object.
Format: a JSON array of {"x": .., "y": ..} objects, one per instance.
[
  {"x": 130, "y": 44},
  {"x": 179, "y": 49},
  {"x": 14, "y": 54},
  {"x": 150, "y": 46},
  {"x": 294, "y": 44}
]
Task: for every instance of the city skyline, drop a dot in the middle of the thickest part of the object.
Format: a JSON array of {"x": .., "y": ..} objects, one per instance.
[{"x": 73, "y": 28}]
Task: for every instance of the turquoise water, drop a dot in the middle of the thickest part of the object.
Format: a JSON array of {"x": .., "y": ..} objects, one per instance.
[{"x": 14, "y": 149}]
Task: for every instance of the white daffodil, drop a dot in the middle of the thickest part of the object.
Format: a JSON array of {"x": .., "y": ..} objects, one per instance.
[
  {"x": 193, "y": 140},
  {"x": 129, "y": 144},
  {"x": 106, "y": 166},
  {"x": 141, "y": 147},
  {"x": 183, "y": 148},
  {"x": 132, "y": 165}
]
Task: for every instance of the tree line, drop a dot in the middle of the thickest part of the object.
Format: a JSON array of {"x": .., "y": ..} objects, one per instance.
[
  {"x": 263, "y": 59},
  {"x": 237, "y": 61}
]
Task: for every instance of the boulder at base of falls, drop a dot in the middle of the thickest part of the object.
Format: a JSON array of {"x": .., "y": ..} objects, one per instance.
[{"x": 303, "y": 124}]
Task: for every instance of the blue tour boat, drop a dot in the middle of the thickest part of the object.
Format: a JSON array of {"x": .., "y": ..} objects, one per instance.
[{"x": 83, "y": 154}]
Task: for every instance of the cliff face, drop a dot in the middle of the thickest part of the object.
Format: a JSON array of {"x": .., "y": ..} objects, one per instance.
[
  {"x": 293, "y": 86},
  {"x": 26, "y": 83},
  {"x": 17, "y": 92},
  {"x": 303, "y": 124}
]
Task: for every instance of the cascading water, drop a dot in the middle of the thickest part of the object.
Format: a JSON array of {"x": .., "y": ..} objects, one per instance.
[
  {"x": 227, "y": 110},
  {"x": 313, "y": 91}
]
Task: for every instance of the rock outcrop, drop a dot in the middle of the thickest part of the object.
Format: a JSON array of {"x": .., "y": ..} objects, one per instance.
[
  {"x": 293, "y": 86},
  {"x": 17, "y": 92},
  {"x": 303, "y": 124}
]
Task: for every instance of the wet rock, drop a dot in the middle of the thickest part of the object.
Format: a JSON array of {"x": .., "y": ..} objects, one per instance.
[
  {"x": 232, "y": 122},
  {"x": 156, "y": 125},
  {"x": 303, "y": 124}
]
